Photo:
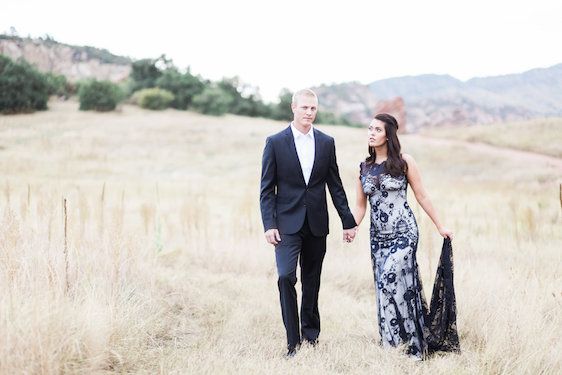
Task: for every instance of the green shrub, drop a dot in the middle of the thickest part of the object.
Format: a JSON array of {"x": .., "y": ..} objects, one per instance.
[
  {"x": 99, "y": 96},
  {"x": 245, "y": 99},
  {"x": 184, "y": 87},
  {"x": 126, "y": 87},
  {"x": 58, "y": 85},
  {"x": 252, "y": 106},
  {"x": 145, "y": 72},
  {"x": 327, "y": 118},
  {"x": 212, "y": 101},
  {"x": 153, "y": 98},
  {"x": 22, "y": 87},
  {"x": 330, "y": 118},
  {"x": 282, "y": 110}
]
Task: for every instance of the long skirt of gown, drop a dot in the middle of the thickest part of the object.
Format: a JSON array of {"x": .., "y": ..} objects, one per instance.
[
  {"x": 403, "y": 317},
  {"x": 399, "y": 294}
]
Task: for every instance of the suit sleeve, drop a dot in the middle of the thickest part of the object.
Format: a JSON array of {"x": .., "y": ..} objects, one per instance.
[
  {"x": 268, "y": 185},
  {"x": 336, "y": 191}
]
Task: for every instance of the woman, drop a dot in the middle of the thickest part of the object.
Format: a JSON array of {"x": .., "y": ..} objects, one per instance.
[{"x": 384, "y": 177}]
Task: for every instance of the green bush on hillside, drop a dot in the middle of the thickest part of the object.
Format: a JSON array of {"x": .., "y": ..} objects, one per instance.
[
  {"x": 282, "y": 110},
  {"x": 252, "y": 106},
  {"x": 212, "y": 101},
  {"x": 153, "y": 98},
  {"x": 184, "y": 86},
  {"x": 145, "y": 72},
  {"x": 99, "y": 96},
  {"x": 245, "y": 100},
  {"x": 22, "y": 87},
  {"x": 59, "y": 85},
  {"x": 229, "y": 95}
]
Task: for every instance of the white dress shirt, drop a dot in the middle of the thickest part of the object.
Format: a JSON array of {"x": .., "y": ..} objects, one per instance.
[{"x": 304, "y": 143}]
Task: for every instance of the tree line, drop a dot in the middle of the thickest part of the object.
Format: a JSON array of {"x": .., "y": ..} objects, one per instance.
[{"x": 153, "y": 84}]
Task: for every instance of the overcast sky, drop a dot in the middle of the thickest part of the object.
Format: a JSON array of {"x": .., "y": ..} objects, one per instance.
[{"x": 295, "y": 44}]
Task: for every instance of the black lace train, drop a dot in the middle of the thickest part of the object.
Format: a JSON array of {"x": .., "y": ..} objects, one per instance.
[{"x": 441, "y": 319}]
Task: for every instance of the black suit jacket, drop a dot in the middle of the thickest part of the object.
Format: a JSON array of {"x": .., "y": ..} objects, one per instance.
[{"x": 285, "y": 199}]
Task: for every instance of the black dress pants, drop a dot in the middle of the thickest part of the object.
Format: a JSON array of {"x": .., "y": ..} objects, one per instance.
[{"x": 309, "y": 251}]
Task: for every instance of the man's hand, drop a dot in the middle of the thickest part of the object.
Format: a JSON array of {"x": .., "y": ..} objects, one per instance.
[
  {"x": 349, "y": 234},
  {"x": 272, "y": 236}
]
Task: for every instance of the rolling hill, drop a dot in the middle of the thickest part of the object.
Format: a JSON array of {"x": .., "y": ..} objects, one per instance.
[{"x": 433, "y": 100}]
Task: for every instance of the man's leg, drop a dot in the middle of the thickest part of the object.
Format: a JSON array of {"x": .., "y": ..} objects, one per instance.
[
  {"x": 312, "y": 256},
  {"x": 286, "y": 255}
]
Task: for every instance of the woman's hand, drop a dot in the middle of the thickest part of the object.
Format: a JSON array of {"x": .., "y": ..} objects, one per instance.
[{"x": 446, "y": 233}]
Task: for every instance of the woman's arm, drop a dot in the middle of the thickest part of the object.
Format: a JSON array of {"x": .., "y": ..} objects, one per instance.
[
  {"x": 360, "y": 203},
  {"x": 414, "y": 179}
]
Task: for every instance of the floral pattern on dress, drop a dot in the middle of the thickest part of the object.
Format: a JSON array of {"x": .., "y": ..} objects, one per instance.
[{"x": 394, "y": 241}]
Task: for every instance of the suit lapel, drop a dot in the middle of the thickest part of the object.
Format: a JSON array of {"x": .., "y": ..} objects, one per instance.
[{"x": 293, "y": 151}]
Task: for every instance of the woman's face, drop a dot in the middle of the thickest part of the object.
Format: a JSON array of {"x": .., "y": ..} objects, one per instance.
[{"x": 377, "y": 133}]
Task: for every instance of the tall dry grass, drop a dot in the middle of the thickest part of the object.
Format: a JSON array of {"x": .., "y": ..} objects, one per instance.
[
  {"x": 538, "y": 135},
  {"x": 168, "y": 271}
]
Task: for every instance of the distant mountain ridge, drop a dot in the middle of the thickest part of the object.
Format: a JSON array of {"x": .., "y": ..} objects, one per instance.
[{"x": 433, "y": 100}]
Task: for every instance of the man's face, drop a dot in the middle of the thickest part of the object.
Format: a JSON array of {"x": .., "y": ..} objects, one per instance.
[{"x": 305, "y": 110}]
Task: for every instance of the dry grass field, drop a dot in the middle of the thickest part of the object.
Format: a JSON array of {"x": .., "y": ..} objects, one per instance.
[
  {"x": 159, "y": 264},
  {"x": 542, "y": 136}
]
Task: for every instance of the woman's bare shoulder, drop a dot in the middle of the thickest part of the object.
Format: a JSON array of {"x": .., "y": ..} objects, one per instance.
[{"x": 408, "y": 158}]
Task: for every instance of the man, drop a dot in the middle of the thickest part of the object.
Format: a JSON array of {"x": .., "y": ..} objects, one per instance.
[{"x": 297, "y": 165}]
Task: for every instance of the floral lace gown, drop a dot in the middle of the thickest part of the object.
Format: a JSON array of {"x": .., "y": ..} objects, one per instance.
[{"x": 394, "y": 240}]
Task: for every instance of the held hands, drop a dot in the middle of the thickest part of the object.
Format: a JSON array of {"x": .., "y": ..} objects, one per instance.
[
  {"x": 272, "y": 236},
  {"x": 349, "y": 234}
]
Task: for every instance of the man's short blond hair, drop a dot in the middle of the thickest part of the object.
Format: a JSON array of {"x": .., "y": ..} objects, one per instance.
[{"x": 303, "y": 92}]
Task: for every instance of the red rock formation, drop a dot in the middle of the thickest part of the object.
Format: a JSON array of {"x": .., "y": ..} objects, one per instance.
[{"x": 394, "y": 107}]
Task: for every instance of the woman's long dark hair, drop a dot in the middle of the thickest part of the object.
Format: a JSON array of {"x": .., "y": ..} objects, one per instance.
[{"x": 395, "y": 165}]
